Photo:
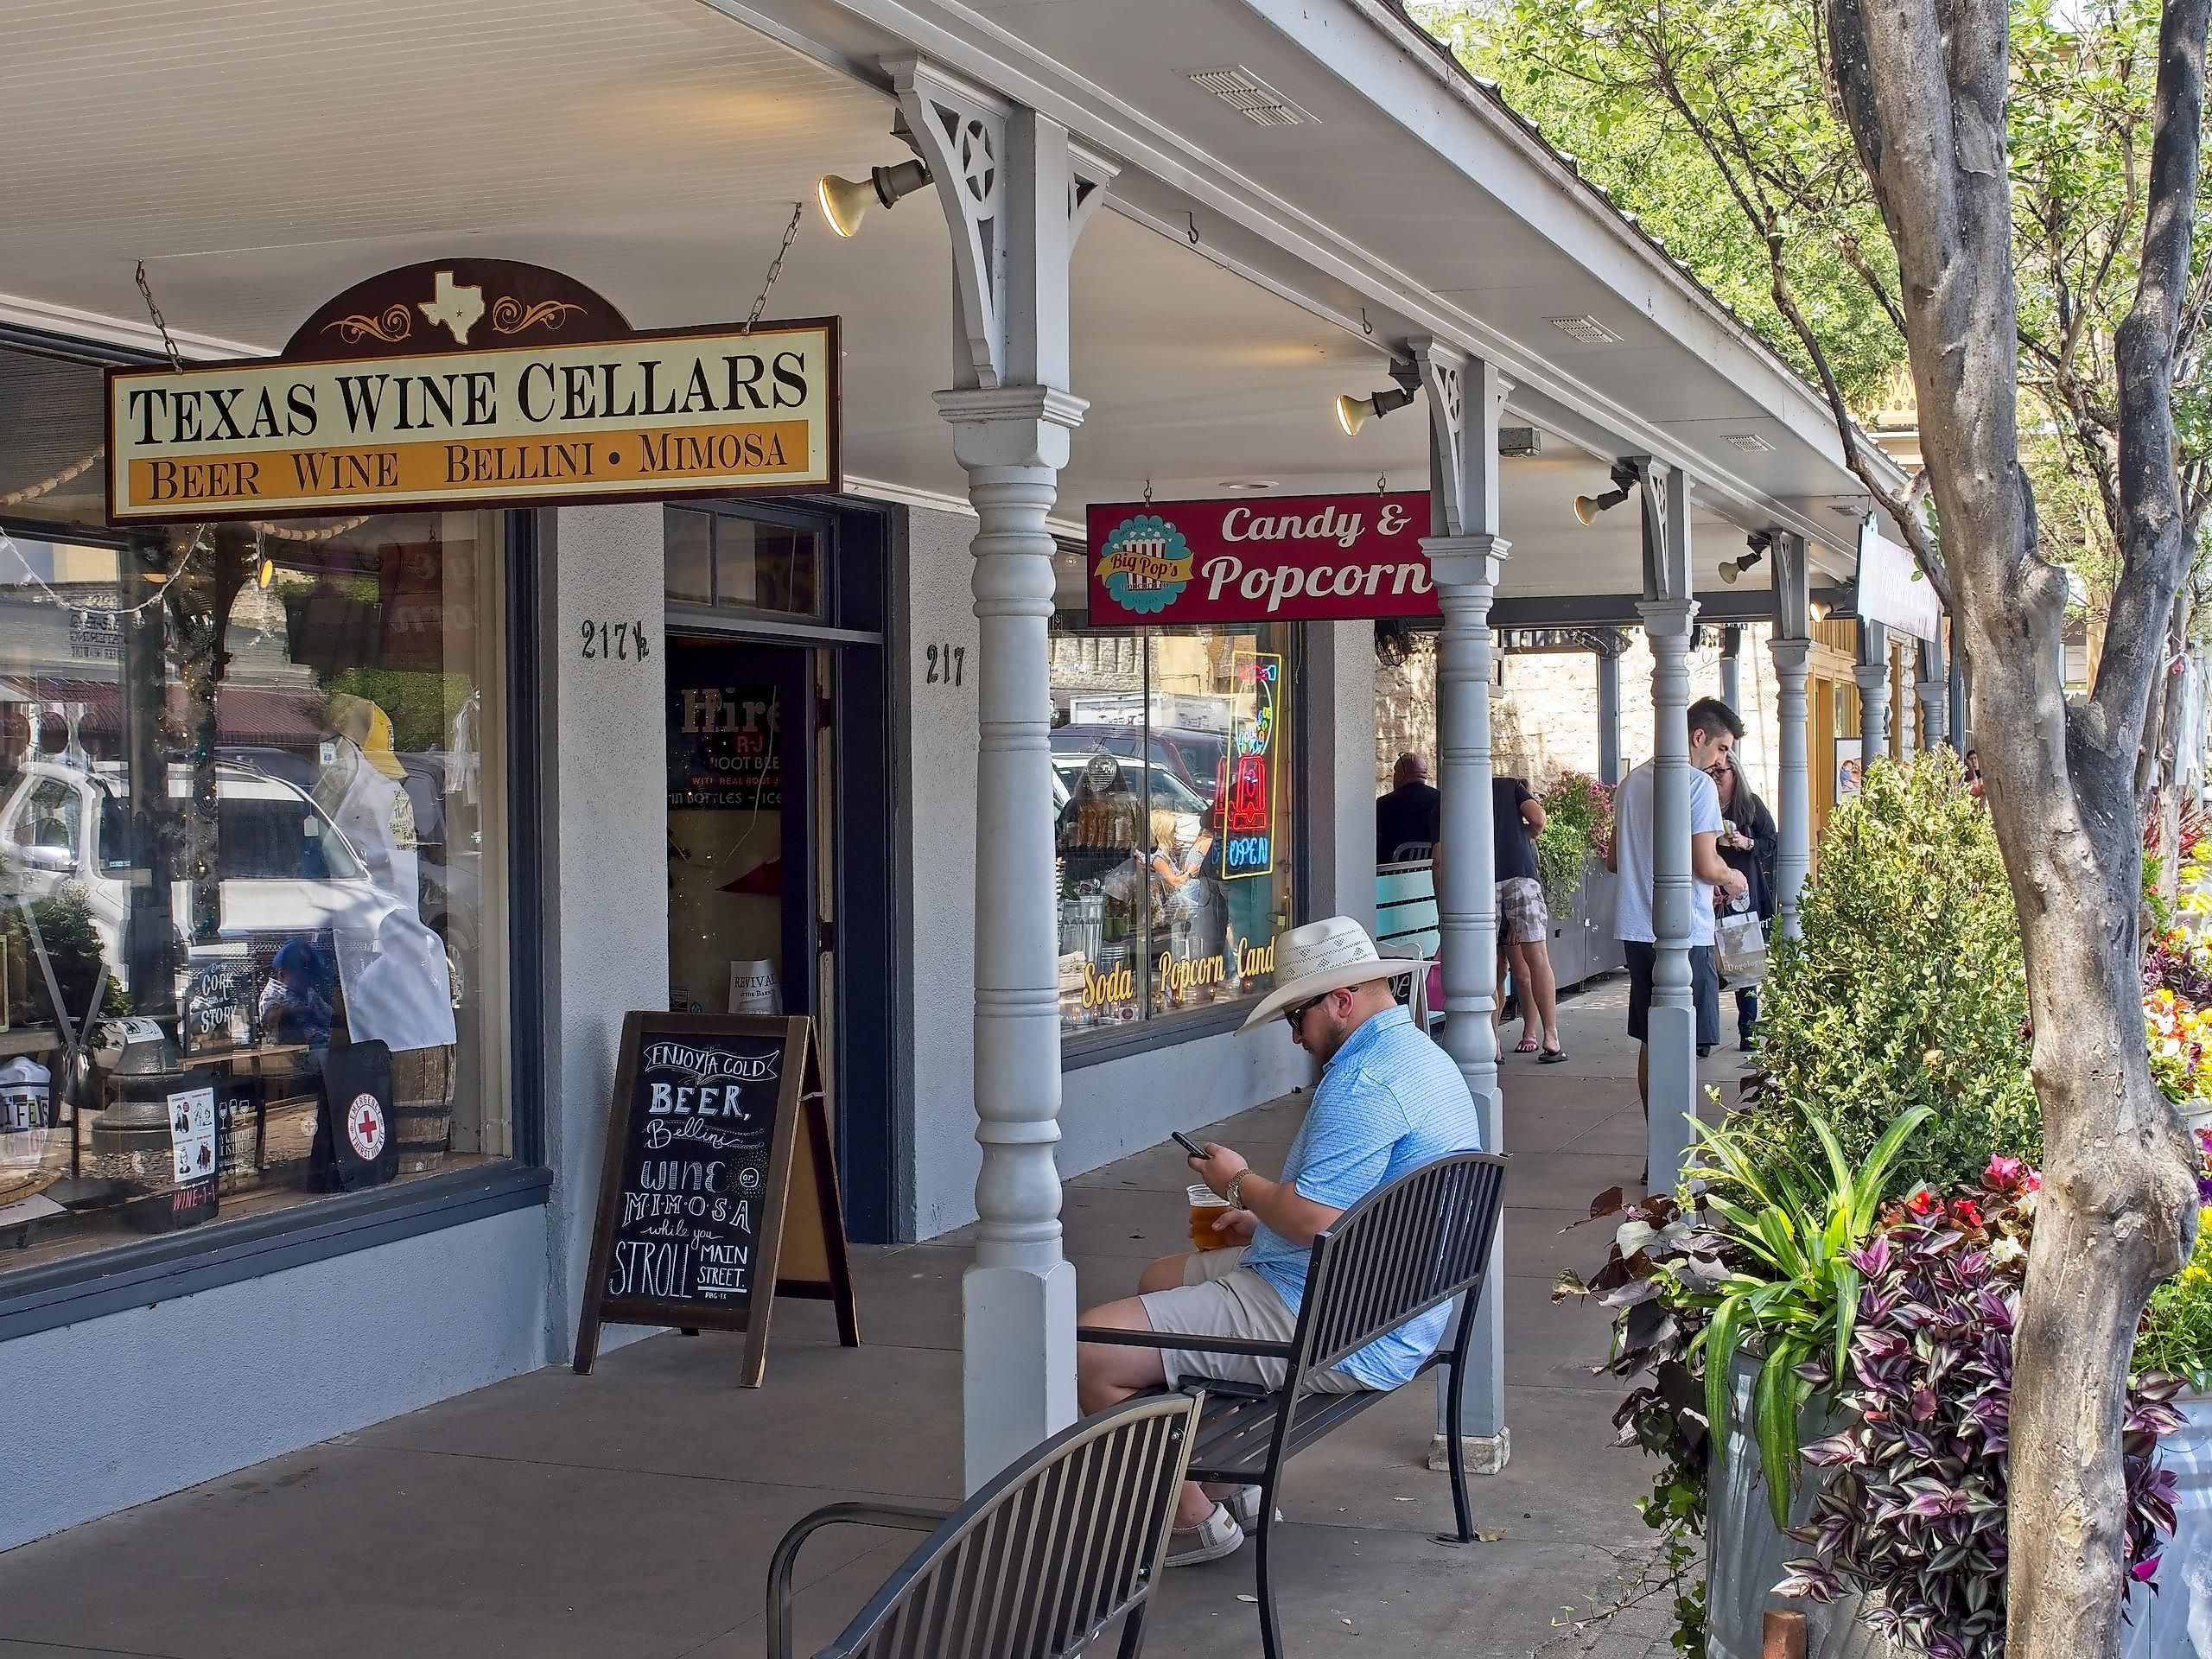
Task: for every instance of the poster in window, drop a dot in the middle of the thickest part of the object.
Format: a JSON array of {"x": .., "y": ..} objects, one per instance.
[
  {"x": 1248, "y": 805},
  {"x": 725, "y": 750},
  {"x": 1847, "y": 767}
]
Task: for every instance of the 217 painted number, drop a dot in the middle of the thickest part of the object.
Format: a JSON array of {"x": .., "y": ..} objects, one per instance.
[
  {"x": 614, "y": 641},
  {"x": 947, "y": 664}
]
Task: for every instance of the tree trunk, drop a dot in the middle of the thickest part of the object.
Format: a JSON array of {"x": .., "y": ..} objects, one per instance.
[{"x": 1923, "y": 85}]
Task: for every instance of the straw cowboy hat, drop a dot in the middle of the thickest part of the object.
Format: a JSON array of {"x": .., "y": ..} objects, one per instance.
[{"x": 1326, "y": 955}]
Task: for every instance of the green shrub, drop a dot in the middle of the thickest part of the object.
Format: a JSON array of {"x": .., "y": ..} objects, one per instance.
[
  {"x": 1578, "y": 821},
  {"x": 1907, "y": 988}
]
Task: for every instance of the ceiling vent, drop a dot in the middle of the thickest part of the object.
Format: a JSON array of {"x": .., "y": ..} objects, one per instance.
[
  {"x": 1750, "y": 443},
  {"x": 1252, "y": 97},
  {"x": 1588, "y": 331}
]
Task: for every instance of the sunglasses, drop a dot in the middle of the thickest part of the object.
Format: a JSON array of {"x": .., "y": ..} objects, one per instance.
[{"x": 1295, "y": 1018}]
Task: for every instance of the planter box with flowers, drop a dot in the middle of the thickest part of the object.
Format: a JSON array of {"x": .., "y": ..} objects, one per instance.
[{"x": 1857, "y": 1240}]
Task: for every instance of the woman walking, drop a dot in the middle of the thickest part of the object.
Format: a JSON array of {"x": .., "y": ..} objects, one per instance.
[{"x": 1747, "y": 844}]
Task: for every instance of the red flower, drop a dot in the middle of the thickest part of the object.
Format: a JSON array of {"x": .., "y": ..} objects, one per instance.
[
  {"x": 1921, "y": 1203},
  {"x": 1965, "y": 1211}
]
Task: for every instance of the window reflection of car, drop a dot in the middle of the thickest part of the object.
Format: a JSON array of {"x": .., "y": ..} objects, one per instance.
[
  {"x": 1194, "y": 757},
  {"x": 282, "y": 868},
  {"x": 1168, "y": 790}
]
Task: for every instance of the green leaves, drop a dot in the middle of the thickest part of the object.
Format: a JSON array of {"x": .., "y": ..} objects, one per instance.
[
  {"x": 1909, "y": 989},
  {"x": 1794, "y": 1295}
]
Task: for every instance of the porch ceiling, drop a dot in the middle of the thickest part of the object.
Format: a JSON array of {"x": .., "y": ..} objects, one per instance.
[{"x": 259, "y": 158}]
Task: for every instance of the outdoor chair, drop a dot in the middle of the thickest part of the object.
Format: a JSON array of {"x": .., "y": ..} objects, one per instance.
[
  {"x": 1402, "y": 1250},
  {"x": 1036, "y": 1565}
]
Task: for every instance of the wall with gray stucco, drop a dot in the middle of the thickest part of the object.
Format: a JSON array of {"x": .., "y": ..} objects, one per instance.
[
  {"x": 936, "y": 791},
  {"x": 604, "y": 763},
  {"x": 114, "y": 1411}
]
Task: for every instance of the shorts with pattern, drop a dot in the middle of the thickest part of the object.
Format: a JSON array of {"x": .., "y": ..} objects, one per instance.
[
  {"x": 1522, "y": 917},
  {"x": 1221, "y": 1297}
]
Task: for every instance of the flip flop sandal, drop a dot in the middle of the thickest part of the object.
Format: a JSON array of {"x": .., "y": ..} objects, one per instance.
[
  {"x": 1526, "y": 1045},
  {"x": 1551, "y": 1057}
]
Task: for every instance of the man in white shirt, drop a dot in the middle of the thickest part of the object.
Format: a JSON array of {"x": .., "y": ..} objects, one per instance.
[{"x": 1715, "y": 728}]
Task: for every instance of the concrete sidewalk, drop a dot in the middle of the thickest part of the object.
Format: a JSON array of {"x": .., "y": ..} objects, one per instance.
[{"x": 630, "y": 1515}]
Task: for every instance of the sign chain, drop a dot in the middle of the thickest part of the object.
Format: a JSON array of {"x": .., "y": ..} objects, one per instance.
[
  {"x": 176, "y": 362},
  {"x": 153, "y": 310},
  {"x": 776, "y": 269}
]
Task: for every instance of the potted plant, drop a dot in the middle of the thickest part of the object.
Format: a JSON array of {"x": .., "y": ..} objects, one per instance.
[
  {"x": 1578, "y": 826},
  {"x": 1912, "y": 1513},
  {"x": 2175, "y": 1341}
]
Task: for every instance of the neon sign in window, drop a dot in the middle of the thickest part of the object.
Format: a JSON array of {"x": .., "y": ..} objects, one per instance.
[{"x": 1248, "y": 803}]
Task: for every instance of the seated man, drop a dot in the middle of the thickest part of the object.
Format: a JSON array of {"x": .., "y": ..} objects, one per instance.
[{"x": 1389, "y": 1101}]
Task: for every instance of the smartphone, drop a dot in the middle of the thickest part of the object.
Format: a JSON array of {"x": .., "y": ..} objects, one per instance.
[{"x": 1187, "y": 1144}]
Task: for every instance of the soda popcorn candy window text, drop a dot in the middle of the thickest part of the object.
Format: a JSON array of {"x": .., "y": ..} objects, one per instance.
[{"x": 1172, "y": 810}]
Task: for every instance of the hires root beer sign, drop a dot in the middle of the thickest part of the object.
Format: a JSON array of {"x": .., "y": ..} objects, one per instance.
[{"x": 1321, "y": 558}]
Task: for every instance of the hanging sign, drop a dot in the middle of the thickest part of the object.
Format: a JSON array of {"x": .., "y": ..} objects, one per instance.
[
  {"x": 717, "y": 1121},
  {"x": 475, "y": 383},
  {"x": 1310, "y": 558},
  {"x": 1891, "y": 590}
]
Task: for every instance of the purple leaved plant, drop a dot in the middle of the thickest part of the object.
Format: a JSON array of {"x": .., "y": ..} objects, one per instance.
[{"x": 1914, "y": 1505}]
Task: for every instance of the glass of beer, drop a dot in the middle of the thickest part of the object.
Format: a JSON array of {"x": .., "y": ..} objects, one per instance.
[{"x": 1206, "y": 1210}]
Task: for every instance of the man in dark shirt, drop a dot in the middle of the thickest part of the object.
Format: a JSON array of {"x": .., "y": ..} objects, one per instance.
[
  {"x": 1405, "y": 819},
  {"x": 1524, "y": 925}
]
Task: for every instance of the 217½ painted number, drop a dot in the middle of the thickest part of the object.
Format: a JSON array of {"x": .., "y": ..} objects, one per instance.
[{"x": 616, "y": 642}]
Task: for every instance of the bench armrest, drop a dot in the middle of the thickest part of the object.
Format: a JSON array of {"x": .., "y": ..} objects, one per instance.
[
  {"x": 1119, "y": 1338},
  {"x": 786, "y": 1556}
]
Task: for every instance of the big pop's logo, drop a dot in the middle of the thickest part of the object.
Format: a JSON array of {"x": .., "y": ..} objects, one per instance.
[{"x": 1146, "y": 564}]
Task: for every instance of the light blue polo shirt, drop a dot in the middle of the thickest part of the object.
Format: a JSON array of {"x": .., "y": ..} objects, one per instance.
[{"x": 1389, "y": 1102}]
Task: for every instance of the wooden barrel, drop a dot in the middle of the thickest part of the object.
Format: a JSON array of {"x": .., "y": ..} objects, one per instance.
[{"x": 422, "y": 1107}]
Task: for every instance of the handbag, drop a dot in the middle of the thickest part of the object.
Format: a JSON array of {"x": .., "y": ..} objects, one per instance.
[{"x": 1739, "y": 947}]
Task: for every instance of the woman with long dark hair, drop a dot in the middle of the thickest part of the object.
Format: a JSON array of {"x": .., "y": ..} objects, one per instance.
[{"x": 1747, "y": 845}]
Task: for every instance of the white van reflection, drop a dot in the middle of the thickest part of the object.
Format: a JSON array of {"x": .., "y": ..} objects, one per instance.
[{"x": 283, "y": 869}]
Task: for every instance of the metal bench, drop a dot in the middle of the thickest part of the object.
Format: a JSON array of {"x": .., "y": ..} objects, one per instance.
[
  {"x": 1406, "y": 927},
  {"x": 1036, "y": 1565},
  {"x": 1402, "y": 1250}
]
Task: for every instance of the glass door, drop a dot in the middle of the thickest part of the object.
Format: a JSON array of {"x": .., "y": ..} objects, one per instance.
[{"x": 740, "y": 841}]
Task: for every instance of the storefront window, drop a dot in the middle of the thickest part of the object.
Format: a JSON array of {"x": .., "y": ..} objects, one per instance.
[
  {"x": 742, "y": 562},
  {"x": 252, "y": 837},
  {"x": 1171, "y": 791}
]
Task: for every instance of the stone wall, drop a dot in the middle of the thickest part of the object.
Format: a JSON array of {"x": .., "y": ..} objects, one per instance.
[{"x": 1544, "y": 711}]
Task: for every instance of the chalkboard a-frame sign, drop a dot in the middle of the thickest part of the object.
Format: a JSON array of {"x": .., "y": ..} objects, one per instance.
[{"x": 719, "y": 1122}]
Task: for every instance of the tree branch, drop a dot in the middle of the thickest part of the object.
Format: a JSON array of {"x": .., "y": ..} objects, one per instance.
[{"x": 2153, "y": 553}]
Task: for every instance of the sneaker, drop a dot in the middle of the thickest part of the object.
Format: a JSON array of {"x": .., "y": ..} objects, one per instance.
[
  {"x": 1216, "y": 1536},
  {"x": 1244, "y": 1505}
]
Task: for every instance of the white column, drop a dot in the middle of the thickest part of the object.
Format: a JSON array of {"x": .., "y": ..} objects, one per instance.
[
  {"x": 1793, "y": 859},
  {"x": 1669, "y": 614},
  {"x": 1871, "y": 676},
  {"x": 1791, "y": 648},
  {"x": 1933, "y": 688},
  {"x": 1016, "y": 193},
  {"x": 1018, "y": 1300},
  {"x": 1901, "y": 670},
  {"x": 1731, "y": 664},
  {"x": 1465, "y": 398},
  {"x": 1609, "y": 717}
]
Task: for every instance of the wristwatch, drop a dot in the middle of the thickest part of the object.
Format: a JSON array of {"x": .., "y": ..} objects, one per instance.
[{"x": 1235, "y": 1191}]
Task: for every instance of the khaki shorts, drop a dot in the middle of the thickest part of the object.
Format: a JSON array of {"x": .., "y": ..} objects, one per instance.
[
  {"x": 1221, "y": 1297},
  {"x": 1521, "y": 917}
]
